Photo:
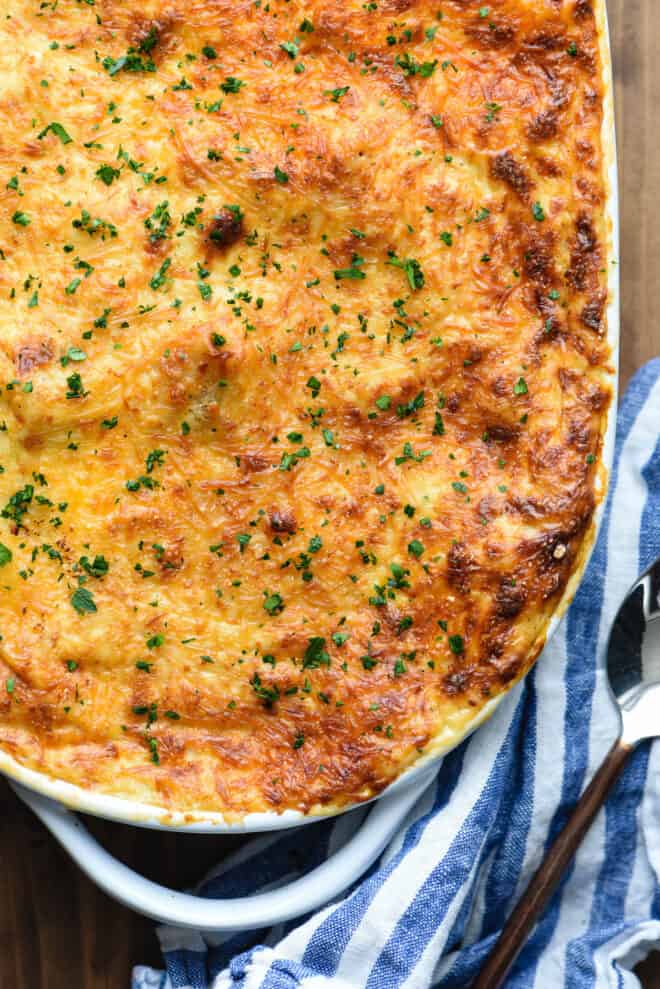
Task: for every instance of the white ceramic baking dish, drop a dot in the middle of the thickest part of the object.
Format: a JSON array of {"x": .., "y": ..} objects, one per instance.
[{"x": 56, "y": 802}]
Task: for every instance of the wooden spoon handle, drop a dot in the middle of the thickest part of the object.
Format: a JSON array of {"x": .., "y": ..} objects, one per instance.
[{"x": 546, "y": 878}]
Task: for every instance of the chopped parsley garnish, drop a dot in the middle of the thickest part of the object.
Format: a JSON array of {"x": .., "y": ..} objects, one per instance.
[
  {"x": 269, "y": 695},
  {"x": 315, "y": 654},
  {"x": 273, "y": 603},
  {"x": 410, "y": 455},
  {"x": 83, "y": 601},
  {"x": 231, "y": 85},
  {"x": 153, "y": 746},
  {"x": 410, "y": 67},
  {"x": 353, "y": 272},
  {"x": 18, "y": 504},
  {"x": 155, "y": 458},
  {"x": 336, "y": 94},
  {"x": 492, "y": 109},
  {"x": 5, "y": 555},
  {"x": 94, "y": 225},
  {"x": 409, "y": 408},
  {"x": 399, "y": 667},
  {"x": 76, "y": 387},
  {"x": 291, "y": 48},
  {"x": 56, "y": 129},
  {"x": 132, "y": 61},
  {"x": 538, "y": 212},
  {"x": 520, "y": 387},
  {"x": 412, "y": 268},
  {"x": 107, "y": 174},
  {"x": 158, "y": 280},
  {"x": 98, "y": 567}
]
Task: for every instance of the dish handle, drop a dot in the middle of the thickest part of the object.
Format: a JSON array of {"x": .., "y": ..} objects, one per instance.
[{"x": 168, "y": 906}]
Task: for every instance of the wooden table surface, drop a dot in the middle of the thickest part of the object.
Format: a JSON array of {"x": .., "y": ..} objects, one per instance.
[{"x": 57, "y": 931}]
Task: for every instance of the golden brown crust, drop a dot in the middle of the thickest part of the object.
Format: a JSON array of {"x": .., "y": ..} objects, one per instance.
[{"x": 305, "y": 381}]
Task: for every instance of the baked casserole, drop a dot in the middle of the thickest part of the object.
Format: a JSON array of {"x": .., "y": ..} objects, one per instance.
[{"x": 304, "y": 381}]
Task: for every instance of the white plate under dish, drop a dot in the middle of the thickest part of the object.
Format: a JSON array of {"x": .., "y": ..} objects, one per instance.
[{"x": 55, "y": 801}]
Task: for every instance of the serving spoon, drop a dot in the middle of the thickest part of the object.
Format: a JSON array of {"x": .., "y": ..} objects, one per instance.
[{"x": 633, "y": 669}]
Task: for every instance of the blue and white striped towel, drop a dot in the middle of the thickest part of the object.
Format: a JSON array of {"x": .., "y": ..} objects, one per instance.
[{"x": 428, "y": 913}]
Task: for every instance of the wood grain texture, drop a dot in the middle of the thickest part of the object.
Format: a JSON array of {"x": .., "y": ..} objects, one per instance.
[{"x": 57, "y": 931}]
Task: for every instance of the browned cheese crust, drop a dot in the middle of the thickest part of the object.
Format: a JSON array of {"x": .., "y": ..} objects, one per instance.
[{"x": 304, "y": 380}]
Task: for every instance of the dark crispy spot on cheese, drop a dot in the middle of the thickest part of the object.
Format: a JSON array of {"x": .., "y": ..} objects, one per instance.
[
  {"x": 495, "y": 35},
  {"x": 592, "y": 314},
  {"x": 282, "y": 520},
  {"x": 510, "y": 599},
  {"x": 544, "y": 126},
  {"x": 33, "y": 355},
  {"x": 584, "y": 255},
  {"x": 460, "y": 566},
  {"x": 153, "y": 34},
  {"x": 538, "y": 259},
  {"x": 502, "y": 432},
  {"x": 582, "y": 10},
  {"x": 547, "y": 40},
  {"x": 457, "y": 682},
  {"x": 505, "y": 167},
  {"x": 254, "y": 462},
  {"x": 225, "y": 228}
]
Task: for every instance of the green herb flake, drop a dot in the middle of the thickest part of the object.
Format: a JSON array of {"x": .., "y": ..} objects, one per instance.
[
  {"x": 456, "y": 644},
  {"x": 315, "y": 654},
  {"x": 273, "y": 603},
  {"x": 58, "y": 130},
  {"x": 336, "y": 94},
  {"x": 232, "y": 85},
  {"x": 538, "y": 212},
  {"x": 83, "y": 601}
]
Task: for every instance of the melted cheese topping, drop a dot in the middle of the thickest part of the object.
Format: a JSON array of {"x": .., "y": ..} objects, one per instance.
[{"x": 304, "y": 378}]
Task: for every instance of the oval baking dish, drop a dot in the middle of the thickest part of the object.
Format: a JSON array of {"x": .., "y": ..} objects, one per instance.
[{"x": 56, "y": 800}]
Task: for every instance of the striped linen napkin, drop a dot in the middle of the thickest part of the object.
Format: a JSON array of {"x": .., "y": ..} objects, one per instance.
[{"x": 429, "y": 911}]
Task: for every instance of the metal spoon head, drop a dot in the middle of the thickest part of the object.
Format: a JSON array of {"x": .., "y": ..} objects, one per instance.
[{"x": 633, "y": 657}]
